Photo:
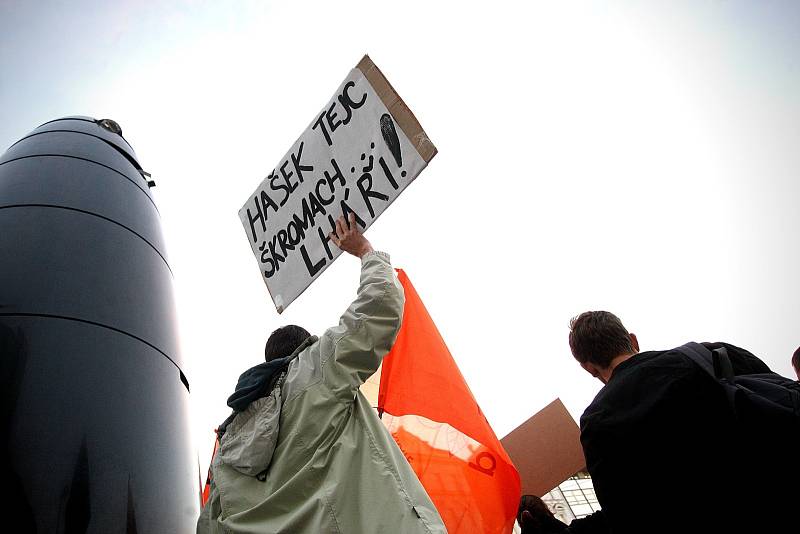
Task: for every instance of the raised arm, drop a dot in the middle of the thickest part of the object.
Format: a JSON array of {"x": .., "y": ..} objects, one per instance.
[{"x": 368, "y": 328}]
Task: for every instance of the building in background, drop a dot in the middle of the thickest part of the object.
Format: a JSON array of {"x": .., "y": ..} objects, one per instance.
[{"x": 572, "y": 499}]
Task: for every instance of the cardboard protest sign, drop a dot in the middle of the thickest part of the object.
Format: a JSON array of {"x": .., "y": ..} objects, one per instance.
[
  {"x": 546, "y": 449},
  {"x": 357, "y": 155}
]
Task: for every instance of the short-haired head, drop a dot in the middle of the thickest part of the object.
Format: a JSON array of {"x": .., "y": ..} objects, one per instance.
[
  {"x": 597, "y": 337},
  {"x": 283, "y": 341},
  {"x": 796, "y": 362}
]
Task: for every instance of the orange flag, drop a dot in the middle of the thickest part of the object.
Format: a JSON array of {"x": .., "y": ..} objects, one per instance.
[
  {"x": 431, "y": 413},
  {"x": 207, "y": 487}
]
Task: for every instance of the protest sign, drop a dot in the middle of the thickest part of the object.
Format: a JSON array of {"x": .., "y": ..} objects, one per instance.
[
  {"x": 357, "y": 155},
  {"x": 546, "y": 449}
]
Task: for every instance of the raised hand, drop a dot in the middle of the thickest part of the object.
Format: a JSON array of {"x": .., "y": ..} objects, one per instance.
[{"x": 348, "y": 238}]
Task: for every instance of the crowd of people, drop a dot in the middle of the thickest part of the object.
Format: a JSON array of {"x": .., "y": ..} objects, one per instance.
[{"x": 670, "y": 442}]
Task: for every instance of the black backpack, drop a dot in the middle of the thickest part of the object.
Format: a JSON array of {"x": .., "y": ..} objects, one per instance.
[
  {"x": 763, "y": 448},
  {"x": 757, "y": 400}
]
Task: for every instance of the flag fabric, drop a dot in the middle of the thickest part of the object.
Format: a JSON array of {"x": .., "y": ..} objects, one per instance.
[
  {"x": 207, "y": 487},
  {"x": 431, "y": 413}
]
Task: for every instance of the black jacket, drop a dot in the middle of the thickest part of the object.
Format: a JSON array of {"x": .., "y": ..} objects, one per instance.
[{"x": 665, "y": 453}]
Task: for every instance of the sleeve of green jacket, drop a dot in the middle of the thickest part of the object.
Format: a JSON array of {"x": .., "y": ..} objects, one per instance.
[{"x": 367, "y": 330}]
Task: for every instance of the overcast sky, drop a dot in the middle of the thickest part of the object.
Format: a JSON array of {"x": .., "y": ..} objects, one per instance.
[{"x": 640, "y": 157}]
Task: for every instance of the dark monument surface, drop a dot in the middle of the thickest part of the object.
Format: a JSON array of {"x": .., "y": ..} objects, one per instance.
[{"x": 94, "y": 433}]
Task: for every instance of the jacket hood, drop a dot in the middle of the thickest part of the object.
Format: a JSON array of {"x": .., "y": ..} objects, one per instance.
[{"x": 259, "y": 380}]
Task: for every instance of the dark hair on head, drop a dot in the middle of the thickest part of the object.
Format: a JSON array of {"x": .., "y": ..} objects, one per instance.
[
  {"x": 796, "y": 360},
  {"x": 283, "y": 341},
  {"x": 598, "y": 337}
]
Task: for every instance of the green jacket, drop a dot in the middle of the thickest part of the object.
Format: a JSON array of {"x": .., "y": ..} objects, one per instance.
[{"x": 313, "y": 455}]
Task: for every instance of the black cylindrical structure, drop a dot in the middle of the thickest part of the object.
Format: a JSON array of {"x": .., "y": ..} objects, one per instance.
[{"x": 94, "y": 430}]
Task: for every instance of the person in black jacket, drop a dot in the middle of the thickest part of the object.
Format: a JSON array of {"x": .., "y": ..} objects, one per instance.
[{"x": 661, "y": 441}]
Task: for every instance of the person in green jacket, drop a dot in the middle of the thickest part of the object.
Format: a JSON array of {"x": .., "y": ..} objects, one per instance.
[{"x": 303, "y": 451}]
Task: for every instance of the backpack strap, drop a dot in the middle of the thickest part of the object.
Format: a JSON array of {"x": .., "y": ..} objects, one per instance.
[
  {"x": 722, "y": 364},
  {"x": 699, "y": 355},
  {"x": 716, "y": 362}
]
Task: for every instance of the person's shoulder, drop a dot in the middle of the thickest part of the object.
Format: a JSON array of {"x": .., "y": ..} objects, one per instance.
[
  {"x": 642, "y": 378},
  {"x": 662, "y": 365},
  {"x": 304, "y": 362},
  {"x": 646, "y": 366}
]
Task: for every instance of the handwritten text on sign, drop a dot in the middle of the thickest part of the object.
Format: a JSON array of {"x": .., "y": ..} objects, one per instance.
[{"x": 351, "y": 159}]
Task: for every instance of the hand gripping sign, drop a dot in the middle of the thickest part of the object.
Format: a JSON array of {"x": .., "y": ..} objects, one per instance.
[{"x": 357, "y": 155}]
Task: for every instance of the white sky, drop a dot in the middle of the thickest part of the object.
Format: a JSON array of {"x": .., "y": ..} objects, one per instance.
[{"x": 639, "y": 157}]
